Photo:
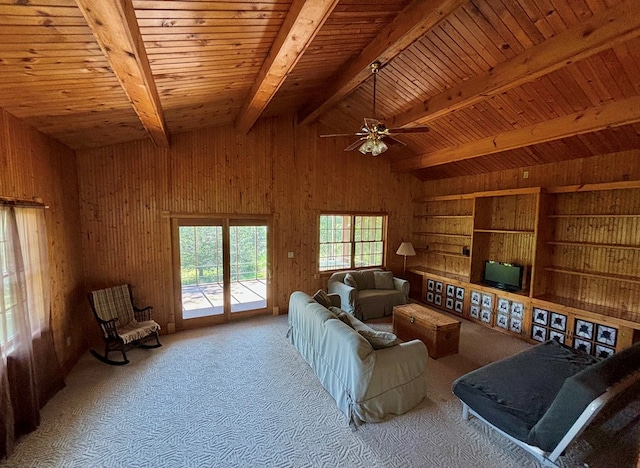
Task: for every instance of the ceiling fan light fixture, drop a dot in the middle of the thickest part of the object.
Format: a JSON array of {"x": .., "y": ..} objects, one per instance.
[
  {"x": 367, "y": 146},
  {"x": 379, "y": 147},
  {"x": 375, "y": 146}
]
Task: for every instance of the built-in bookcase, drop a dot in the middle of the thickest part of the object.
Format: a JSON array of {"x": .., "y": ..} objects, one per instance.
[
  {"x": 580, "y": 244},
  {"x": 443, "y": 228},
  {"x": 591, "y": 256}
]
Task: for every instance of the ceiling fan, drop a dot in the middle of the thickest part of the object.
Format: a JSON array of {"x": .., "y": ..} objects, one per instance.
[{"x": 373, "y": 132}]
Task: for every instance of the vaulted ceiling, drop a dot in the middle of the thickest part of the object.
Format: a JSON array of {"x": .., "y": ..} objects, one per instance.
[{"x": 500, "y": 83}]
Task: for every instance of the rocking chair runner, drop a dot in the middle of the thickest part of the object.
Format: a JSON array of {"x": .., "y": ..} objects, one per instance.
[{"x": 123, "y": 325}]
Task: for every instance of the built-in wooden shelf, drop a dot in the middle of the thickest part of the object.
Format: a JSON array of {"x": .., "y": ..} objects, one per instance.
[
  {"x": 621, "y": 185},
  {"x": 443, "y": 216},
  {"x": 600, "y": 215},
  {"x": 589, "y": 274},
  {"x": 441, "y": 234},
  {"x": 441, "y": 198},
  {"x": 421, "y": 270},
  {"x": 446, "y": 253},
  {"x": 621, "y": 317},
  {"x": 595, "y": 245},
  {"x": 506, "y": 231}
]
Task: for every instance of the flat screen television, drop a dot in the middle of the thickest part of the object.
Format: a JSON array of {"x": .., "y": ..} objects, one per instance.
[{"x": 506, "y": 276}]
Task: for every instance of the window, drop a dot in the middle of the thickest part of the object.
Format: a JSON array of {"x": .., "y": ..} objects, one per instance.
[
  {"x": 24, "y": 274},
  {"x": 351, "y": 241}
]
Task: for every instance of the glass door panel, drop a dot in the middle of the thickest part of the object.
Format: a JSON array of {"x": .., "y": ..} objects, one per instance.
[
  {"x": 248, "y": 267},
  {"x": 201, "y": 271}
]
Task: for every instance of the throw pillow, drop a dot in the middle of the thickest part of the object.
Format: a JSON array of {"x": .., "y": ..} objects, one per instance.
[
  {"x": 383, "y": 279},
  {"x": 379, "y": 339},
  {"x": 360, "y": 280},
  {"x": 350, "y": 281},
  {"x": 336, "y": 310},
  {"x": 322, "y": 298},
  {"x": 369, "y": 279},
  {"x": 344, "y": 317},
  {"x": 357, "y": 325}
]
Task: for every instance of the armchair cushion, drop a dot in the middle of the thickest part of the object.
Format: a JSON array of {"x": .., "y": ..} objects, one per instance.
[
  {"x": 138, "y": 330},
  {"x": 383, "y": 280}
]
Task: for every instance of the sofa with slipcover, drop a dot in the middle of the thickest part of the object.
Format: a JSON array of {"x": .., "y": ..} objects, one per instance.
[{"x": 370, "y": 374}]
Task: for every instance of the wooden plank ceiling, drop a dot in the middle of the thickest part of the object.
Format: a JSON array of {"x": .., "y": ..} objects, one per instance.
[{"x": 500, "y": 83}]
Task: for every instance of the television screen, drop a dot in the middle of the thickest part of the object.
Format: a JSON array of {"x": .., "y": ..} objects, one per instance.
[{"x": 505, "y": 276}]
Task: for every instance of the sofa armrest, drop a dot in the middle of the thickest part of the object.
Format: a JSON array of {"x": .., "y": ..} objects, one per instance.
[
  {"x": 348, "y": 295},
  {"x": 397, "y": 365},
  {"x": 401, "y": 285}
]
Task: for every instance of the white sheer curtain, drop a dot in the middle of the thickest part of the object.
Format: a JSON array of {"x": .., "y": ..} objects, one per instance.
[{"x": 24, "y": 318}]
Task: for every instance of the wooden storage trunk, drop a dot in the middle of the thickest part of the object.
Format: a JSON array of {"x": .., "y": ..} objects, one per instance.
[{"x": 439, "y": 332}]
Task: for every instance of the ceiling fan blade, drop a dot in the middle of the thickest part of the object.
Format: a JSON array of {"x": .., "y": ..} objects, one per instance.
[
  {"x": 337, "y": 135},
  {"x": 370, "y": 123},
  {"x": 355, "y": 144},
  {"x": 393, "y": 141},
  {"x": 409, "y": 130}
]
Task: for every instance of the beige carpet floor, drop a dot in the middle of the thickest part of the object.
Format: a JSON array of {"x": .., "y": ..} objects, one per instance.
[{"x": 239, "y": 395}]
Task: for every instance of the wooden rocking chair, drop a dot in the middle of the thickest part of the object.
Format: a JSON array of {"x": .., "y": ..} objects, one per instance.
[{"x": 123, "y": 325}]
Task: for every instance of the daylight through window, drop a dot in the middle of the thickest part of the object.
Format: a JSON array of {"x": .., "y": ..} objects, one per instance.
[{"x": 351, "y": 241}]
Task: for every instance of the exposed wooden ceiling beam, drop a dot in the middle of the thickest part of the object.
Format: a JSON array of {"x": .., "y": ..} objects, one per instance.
[
  {"x": 597, "y": 118},
  {"x": 614, "y": 26},
  {"x": 411, "y": 24},
  {"x": 300, "y": 26},
  {"x": 116, "y": 30}
]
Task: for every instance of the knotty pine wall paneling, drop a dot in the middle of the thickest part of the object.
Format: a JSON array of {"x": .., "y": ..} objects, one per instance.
[
  {"x": 37, "y": 166},
  {"x": 129, "y": 192},
  {"x": 613, "y": 167}
]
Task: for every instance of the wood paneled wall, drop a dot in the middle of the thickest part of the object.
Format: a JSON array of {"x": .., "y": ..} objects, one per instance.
[
  {"x": 128, "y": 191},
  {"x": 597, "y": 169},
  {"x": 36, "y": 166}
]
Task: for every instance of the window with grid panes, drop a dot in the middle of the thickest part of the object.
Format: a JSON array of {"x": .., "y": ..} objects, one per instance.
[{"x": 351, "y": 241}]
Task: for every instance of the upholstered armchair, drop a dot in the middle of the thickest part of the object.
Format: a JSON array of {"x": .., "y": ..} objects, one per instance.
[{"x": 368, "y": 294}]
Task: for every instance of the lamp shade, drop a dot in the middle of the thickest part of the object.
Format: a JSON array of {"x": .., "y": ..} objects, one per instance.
[{"x": 406, "y": 249}]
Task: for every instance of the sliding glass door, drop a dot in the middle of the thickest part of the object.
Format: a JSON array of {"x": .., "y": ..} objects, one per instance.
[{"x": 222, "y": 269}]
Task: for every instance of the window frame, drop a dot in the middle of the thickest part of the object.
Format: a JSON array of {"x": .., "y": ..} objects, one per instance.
[{"x": 352, "y": 241}]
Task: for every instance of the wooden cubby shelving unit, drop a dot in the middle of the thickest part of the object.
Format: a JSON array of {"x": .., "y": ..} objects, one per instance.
[{"x": 580, "y": 244}]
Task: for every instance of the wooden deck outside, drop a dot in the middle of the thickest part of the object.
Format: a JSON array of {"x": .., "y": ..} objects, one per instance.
[{"x": 207, "y": 299}]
